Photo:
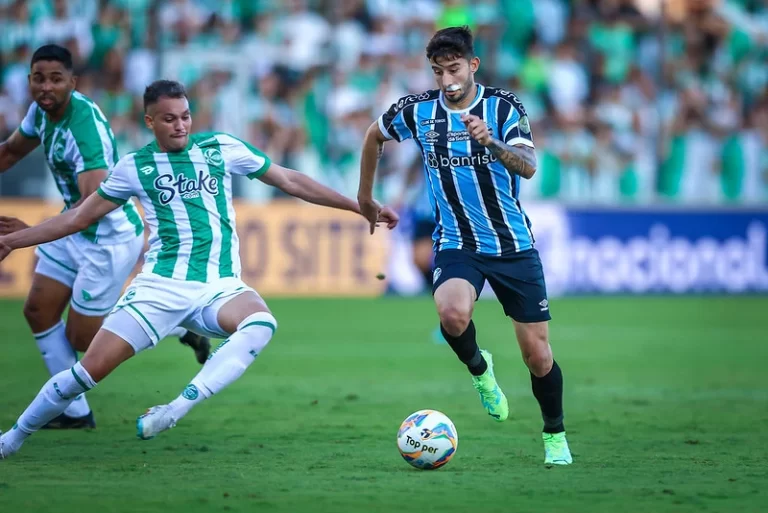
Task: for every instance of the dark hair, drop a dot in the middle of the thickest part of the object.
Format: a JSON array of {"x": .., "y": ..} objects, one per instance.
[
  {"x": 53, "y": 53},
  {"x": 452, "y": 43},
  {"x": 163, "y": 89}
]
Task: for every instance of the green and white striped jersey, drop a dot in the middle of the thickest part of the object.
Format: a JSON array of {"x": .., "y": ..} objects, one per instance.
[
  {"x": 187, "y": 201},
  {"x": 82, "y": 141}
]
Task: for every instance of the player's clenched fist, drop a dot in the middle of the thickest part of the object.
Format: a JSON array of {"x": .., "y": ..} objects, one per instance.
[
  {"x": 388, "y": 217},
  {"x": 477, "y": 128}
]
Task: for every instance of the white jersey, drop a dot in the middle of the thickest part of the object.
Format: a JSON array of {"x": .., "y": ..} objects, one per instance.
[
  {"x": 187, "y": 201},
  {"x": 82, "y": 141}
]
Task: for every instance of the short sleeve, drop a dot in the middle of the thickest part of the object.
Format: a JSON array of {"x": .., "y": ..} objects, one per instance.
[
  {"x": 516, "y": 128},
  {"x": 94, "y": 146},
  {"x": 118, "y": 186},
  {"x": 243, "y": 158},
  {"x": 27, "y": 127},
  {"x": 392, "y": 123}
]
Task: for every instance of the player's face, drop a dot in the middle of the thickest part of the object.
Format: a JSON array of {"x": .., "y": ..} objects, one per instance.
[
  {"x": 171, "y": 122},
  {"x": 455, "y": 76},
  {"x": 51, "y": 85}
]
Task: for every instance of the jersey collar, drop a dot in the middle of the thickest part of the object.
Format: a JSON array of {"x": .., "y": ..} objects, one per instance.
[
  {"x": 478, "y": 97},
  {"x": 155, "y": 148}
]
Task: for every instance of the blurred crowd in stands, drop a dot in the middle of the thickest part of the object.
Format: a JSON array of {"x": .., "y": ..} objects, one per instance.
[{"x": 629, "y": 101}]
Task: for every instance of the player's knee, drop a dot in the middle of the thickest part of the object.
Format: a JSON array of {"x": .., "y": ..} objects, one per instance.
[
  {"x": 37, "y": 317},
  {"x": 454, "y": 319},
  {"x": 539, "y": 360},
  {"x": 78, "y": 339},
  {"x": 81, "y": 330},
  {"x": 264, "y": 326}
]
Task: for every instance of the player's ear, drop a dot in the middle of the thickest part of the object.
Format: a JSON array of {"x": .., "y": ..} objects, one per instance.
[
  {"x": 148, "y": 121},
  {"x": 474, "y": 64}
]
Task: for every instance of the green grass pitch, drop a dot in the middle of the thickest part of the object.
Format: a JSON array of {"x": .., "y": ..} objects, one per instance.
[{"x": 666, "y": 410}]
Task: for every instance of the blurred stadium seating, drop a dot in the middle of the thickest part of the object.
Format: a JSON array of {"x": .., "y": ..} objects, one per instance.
[
  {"x": 630, "y": 104},
  {"x": 625, "y": 105}
]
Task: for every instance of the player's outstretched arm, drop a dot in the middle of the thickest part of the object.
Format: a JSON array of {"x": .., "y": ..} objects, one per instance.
[
  {"x": 66, "y": 223},
  {"x": 303, "y": 187},
  {"x": 16, "y": 148},
  {"x": 373, "y": 146}
]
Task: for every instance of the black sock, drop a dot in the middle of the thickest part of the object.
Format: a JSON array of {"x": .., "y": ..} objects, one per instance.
[
  {"x": 548, "y": 390},
  {"x": 465, "y": 347}
]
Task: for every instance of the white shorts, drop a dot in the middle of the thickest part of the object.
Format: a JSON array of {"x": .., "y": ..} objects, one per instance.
[
  {"x": 96, "y": 273},
  {"x": 160, "y": 304}
]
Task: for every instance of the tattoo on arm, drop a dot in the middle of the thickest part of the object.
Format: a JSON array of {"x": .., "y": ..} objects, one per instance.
[{"x": 517, "y": 159}]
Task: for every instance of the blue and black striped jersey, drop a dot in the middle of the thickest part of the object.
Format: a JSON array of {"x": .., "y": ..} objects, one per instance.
[{"x": 474, "y": 198}]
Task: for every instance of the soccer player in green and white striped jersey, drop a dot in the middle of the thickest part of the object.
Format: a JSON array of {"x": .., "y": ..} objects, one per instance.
[
  {"x": 191, "y": 275},
  {"x": 87, "y": 269}
]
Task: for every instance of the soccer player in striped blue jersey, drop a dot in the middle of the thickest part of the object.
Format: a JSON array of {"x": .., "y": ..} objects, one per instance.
[{"x": 477, "y": 144}]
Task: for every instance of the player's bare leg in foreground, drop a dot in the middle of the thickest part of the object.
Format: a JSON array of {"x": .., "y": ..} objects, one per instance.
[{"x": 455, "y": 299}]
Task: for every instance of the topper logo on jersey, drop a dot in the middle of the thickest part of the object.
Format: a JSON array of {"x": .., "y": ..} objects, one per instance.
[
  {"x": 436, "y": 161},
  {"x": 185, "y": 187}
]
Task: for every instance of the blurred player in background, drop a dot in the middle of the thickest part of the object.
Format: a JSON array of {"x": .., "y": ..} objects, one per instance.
[
  {"x": 422, "y": 227},
  {"x": 87, "y": 269},
  {"x": 191, "y": 273},
  {"x": 476, "y": 144},
  {"x": 423, "y": 251}
]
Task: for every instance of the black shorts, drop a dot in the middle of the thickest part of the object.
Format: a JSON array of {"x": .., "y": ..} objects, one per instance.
[{"x": 517, "y": 280}]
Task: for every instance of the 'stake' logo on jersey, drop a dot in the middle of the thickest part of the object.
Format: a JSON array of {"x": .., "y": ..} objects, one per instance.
[{"x": 169, "y": 186}]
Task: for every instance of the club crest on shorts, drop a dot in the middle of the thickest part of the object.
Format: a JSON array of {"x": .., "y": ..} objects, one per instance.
[{"x": 436, "y": 274}]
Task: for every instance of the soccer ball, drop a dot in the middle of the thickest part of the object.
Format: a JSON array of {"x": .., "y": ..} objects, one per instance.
[{"x": 427, "y": 439}]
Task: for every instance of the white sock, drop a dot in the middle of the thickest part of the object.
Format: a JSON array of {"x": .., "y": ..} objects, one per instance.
[
  {"x": 50, "y": 402},
  {"x": 59, "y": 355},
  {"x": 227, "y": 362},
  {"x": 177, "y": 332}
]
